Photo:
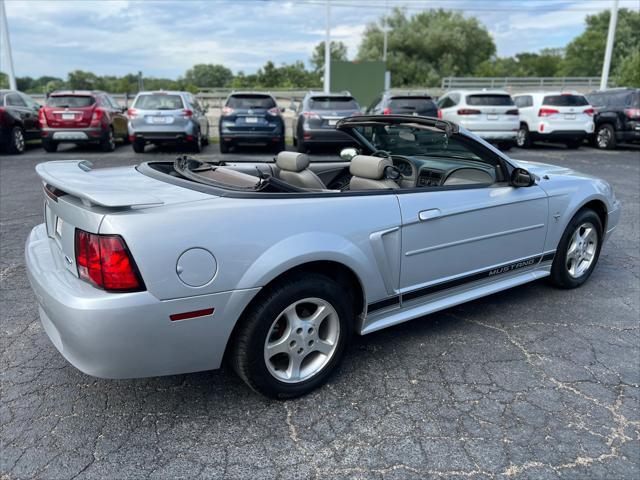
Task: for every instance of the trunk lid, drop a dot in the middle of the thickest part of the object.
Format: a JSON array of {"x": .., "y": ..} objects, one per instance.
[
  {"x": 490, "y": 112},
  {"x": 77, "y": 196},
  {"x": 69, "y": 111}
]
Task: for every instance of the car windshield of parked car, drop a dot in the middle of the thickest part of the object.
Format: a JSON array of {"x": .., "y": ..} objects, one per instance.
[
  {"x": 333, "y": 103},
  {"x": 159, "y": 101},
  {"x": 70, "y": 101},
  {"x": 251, "y": 102},
  {"x": 417, "y": 140},
  {"x": 489, "y": 99},
  {"x": 565, "y": 100}
]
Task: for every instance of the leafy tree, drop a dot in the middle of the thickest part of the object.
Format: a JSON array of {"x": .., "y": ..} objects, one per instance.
[
  {"x": 80, "y": 80},
  {"x": 429, "y": 45},
  {"x": 547, "y": 63},
  {"x": 338, "y": 52},
  {"x": 208, "y": 76},
  {"x": 585, "y": 53},
  {"x": 629, "y": 72},
  {"x": 4, "y": 80}
]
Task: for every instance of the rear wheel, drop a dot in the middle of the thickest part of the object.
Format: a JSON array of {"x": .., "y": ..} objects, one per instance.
[
  {"x": 16, "y": 142},
  {"x": 205, "y": 139},
  {"x": 523, "y": 138},
  {"x": 505, "y": 146},
  {"x": 138, "y": 146},
  {"x": 606, "y": 137},
  {"x": 294, "y": 336},
  {"x": 196, "y": 143},
  {"x": 108, "y": 144},
  {"x": 49, "y": 145},
  {"x": 302, "y": 147},
  {"x": 279, "y": 146},
  {"x": 224, "y": 147},
  {"x": 578, "y": 250}
]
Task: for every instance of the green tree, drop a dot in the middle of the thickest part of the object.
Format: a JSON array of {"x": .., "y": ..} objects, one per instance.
[
  {"x": 4, "y": 80},
  {"x": 208, "y": 76},
  {"x": 80, "y": 80},
  {"x": 585, "y": 53},
  {"x": 628, "y": 74},
  {"x": 428, "y": 46},
  {"x": 338, "y": 52},
  {"x": 547, "y": 63}
]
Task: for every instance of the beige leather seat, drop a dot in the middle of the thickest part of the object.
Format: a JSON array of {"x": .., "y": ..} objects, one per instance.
[
  {"x": 293, "y": 170},
  {"x": 368, "y": 173}
]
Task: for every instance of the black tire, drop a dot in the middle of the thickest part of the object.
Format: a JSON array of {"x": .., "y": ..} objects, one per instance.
[
  {"x": 126, "y": 140},
  {"x": 49, "y": 145},
  {"x": 17, "y": 141},
  {"x": 196, "y": 143},
  {"x": 247, "y": 354},
  {"x": 224, "y": 147},
  {"x": 560, "y": 275},
  {"x": 505, "y": 146},
  {"x": 295, "y": 141},
  {"x": 523, "y": 138},
  {"x": 108, "y": 143},
  {"x": 605, "y": 137},
  {"x": 302, "y": 147},
  {"x": 280, "y": 146},
  {"x": 205, "y": 139},
  {"x": 573, "y": 144},
  {"x": 138, "y": 146}
]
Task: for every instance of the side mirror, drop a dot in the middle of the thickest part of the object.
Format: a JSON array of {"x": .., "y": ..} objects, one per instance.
[
  {"x": 522, "y": 178},
  {"x": 348, "y": 153}
]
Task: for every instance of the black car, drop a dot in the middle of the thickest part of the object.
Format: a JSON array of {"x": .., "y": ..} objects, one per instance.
[
  {"x": 316, "y": 117},
  {"x": 251, "y": 119},
  {"x": 18, "y": 120},
  {"x": 404, "y": 104},
  {"x": 617, "y": 117}
]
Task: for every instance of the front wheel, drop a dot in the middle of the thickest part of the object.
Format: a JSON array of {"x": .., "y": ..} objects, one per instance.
[
  {"x": 578, "y": 250},
  {"x": 523, "y": 138},
  {"x": 49, "y": 145},
  {"x": 606, "y": 137},
  {"x": 108, "y": 144},
  {"x": 16, "y": 142},
  {"x": 294, "y": 336}
]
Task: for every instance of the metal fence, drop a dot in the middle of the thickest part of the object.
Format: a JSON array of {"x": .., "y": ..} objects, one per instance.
[{"x": 515, "y": 84}]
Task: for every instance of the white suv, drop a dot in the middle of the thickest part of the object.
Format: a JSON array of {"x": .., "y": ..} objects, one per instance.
[
  {"x": 564, "y": 117},
  {"x": 491, "y": 115}
]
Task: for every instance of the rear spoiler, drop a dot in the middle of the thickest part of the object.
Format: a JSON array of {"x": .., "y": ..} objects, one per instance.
[{"x": 93, "y": 187}]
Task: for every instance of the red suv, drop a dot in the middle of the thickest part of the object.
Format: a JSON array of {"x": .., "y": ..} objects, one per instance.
[{"x": 82, "y": 117}]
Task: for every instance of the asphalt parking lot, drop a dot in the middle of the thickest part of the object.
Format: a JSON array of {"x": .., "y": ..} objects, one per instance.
[{"x": 534, "y": 382}]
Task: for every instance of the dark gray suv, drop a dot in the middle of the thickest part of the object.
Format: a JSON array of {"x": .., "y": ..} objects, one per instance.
[{"x": 316, "y": 117}]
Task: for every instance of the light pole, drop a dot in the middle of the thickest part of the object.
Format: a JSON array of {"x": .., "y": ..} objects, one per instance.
[
  {"x": 4, "y": 40},
  {"x": 327, "y": 50},
  {"x": 609, "y": 49},
  {"x": 385, "y": 43}
]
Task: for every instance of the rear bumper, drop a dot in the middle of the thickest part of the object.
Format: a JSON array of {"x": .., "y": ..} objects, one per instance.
[
  {"x": 161, "y": 133},
  {"x": 559, "y": 135},
  {"x": 505, "y": 135},
  {"x": 240, "y": 137},
  {"x": 126, "y": 335},
  {"x": 74, "y": 135}
]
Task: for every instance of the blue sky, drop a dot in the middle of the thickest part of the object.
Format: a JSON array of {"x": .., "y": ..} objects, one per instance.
[{"x": 164, "y": 38}]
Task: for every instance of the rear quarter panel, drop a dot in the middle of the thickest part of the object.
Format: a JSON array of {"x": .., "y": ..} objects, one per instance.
[{"x": 255, "y": 240}]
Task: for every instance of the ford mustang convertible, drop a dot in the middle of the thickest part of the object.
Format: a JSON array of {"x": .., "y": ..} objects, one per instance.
[{"x": 174, "y": 267}]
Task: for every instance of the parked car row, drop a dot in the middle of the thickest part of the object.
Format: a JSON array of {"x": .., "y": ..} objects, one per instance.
[{"x": 254, "y": 118}]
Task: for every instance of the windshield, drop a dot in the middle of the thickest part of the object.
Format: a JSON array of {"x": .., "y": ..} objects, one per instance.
[
  {"x": 158, "y": 101},
  {"x": 70, "y": 101},
  {"x": 489, "y": 99},
  {"x": 251, "y": 101},
  {"x": 407, "y": 139},
  {"x": 333, "y": 103},
  {"x": 565, "y": 101}
]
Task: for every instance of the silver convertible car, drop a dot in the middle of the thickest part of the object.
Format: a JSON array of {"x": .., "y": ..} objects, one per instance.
[{"x": 174, "y": 267}]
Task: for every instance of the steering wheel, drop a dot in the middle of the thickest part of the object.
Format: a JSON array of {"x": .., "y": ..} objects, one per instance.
[{"x": 381, "y": 154}]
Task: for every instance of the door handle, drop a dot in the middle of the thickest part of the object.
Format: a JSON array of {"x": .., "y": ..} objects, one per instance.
[{"x": 430, "y": 214}]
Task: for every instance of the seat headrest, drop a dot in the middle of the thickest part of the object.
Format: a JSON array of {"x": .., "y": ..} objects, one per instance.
[
  {"x": 366, "y": 166},
  {"x": 292, "y": 161}
]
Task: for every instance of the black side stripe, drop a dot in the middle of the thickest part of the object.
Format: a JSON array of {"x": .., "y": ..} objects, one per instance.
[{"x": 456, "y": 282}]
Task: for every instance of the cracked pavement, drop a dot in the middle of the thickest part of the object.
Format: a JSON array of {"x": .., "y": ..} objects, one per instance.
[{"x": 534, "y": 382}]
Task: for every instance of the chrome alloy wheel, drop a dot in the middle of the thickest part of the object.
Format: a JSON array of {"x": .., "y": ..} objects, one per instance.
[
  {"x": 18, "y": 140},
  {"x": 582, "y": 250},
  {"x": 604, "y": 137},
  {"x": 302, "y": 340}
]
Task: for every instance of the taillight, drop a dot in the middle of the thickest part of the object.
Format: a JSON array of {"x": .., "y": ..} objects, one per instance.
[
  {"x": 132, "y": 113},
  {"x": 96, "y": 118},
  {"x": 513, "y": 111},
  {"x": 310, "y": 115},
  {"x": 468, "y": 111},
  {"x": 387, "y": 111},
  {"x": 274, "y": 111},
  {"x": 186, "y": 113},
  {"x": 227, "y": 110},
  {"x": 589, "y": 111},
  {"x": 2, "y": 117},
  {"x": 632, "y": 112},
  {"x": 545, "y": 112},
  {"x": 42, "y": 118},
  {"x": 440, "y": 114},
  {"x": 105, "y": 262}
]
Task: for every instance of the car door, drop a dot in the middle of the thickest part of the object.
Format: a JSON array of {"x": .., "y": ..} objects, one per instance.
[
  {"x": 19, "y": 107},
  {"x": 457, "y": 237},
  {"x": 118, "y": 120},
  {"x": 31, "y": 122}
]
